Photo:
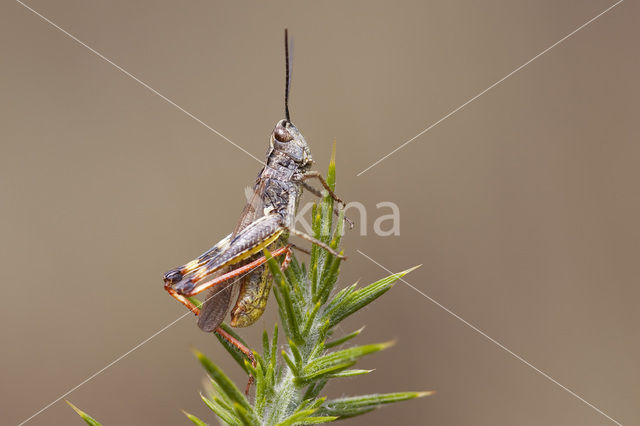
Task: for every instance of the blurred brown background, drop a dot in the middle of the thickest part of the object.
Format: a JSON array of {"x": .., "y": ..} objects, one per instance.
[{"x": 523, "y": 206}]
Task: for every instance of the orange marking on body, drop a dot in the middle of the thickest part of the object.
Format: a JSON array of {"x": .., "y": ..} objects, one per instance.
[{"x": 238, "y": 271}]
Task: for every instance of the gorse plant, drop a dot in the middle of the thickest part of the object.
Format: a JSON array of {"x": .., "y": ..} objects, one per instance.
[{"x": 289, "y": 378}]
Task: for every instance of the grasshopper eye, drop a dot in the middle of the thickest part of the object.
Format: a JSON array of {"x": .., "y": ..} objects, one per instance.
[{"x": 281, "y": 134}]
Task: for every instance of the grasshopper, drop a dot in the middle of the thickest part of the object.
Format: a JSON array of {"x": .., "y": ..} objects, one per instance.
[{"x": 266, "y": 221}]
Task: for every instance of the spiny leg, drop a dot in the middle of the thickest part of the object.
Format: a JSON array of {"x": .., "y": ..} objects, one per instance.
[
  {"x": 303, "y": 250},
  {"x": 318, "y": 175},
  {"x": 225, "y": 277},
  {"x": 229, "y": 338},
  {"x": 180, "y": 298},
  {"x": 318, "y": 193},
  {"x": 246, "y": 351},
  {"x": 287, "y": 260},
  {"x": 316, "y": 242},
  {"x": 219, "y": 331}
]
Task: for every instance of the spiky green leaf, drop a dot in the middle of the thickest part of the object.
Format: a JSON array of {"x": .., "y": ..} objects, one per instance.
[
  {"x": 222, "y": 411},
  {"x": 360, "y": 298},
  {"x": 226, "y": 385},
  {"x": 351, "y": 373},
  {"x": 196, "y": 421},
  {"x": 343, "y": 356},
  {"x": 285, "y": 299},
  {"x": 317, "y": 420},
  {"x": 87, "y": 418},
  {"x": 339, "y": 341},
  {"x": 356, "y": 405}
]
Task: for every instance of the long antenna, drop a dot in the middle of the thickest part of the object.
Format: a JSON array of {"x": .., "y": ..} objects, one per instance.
[{"x": 287, "y": 83}]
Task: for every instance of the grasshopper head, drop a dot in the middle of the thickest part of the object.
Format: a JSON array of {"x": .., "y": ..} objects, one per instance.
[{"x": 287, "y": 140}]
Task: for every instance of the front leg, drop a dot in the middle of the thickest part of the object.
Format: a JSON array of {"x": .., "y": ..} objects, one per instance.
[
  {"x": 317, "y": 193},
  {"x": 316, "y": 242},
  {"x": 318, "y": 175}
]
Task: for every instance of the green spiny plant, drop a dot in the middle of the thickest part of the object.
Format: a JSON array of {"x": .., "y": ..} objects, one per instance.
[{"x": 288, "y": 389}]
